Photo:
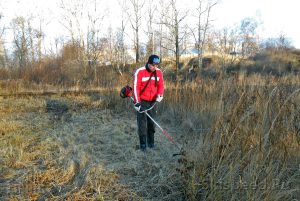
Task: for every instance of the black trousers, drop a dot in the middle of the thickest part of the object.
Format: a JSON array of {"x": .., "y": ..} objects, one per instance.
[{"x": 146, "y": 127}]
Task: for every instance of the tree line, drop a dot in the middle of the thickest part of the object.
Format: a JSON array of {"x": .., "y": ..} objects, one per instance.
[{"x": 167, "y": 29}]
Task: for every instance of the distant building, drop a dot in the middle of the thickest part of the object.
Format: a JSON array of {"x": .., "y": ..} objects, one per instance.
[{"x": 190, "y": 52}]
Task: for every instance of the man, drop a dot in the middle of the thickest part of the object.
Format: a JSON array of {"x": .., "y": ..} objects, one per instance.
[{"x": 148, "y": 88}]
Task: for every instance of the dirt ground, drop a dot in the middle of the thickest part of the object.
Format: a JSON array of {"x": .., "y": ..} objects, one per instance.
[{"x": 81, "y": 151}]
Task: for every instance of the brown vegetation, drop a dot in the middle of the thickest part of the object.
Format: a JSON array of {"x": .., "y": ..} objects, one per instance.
[
  {"x": 252, "y": 149},
  {"x": 73, "y": 140}
]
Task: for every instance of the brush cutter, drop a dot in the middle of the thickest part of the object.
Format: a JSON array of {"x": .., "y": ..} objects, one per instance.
[{"x": 127, "y": 92}]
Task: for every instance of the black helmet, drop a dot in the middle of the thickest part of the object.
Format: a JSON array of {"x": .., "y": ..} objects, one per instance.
[{"x": 153, "y": 59}]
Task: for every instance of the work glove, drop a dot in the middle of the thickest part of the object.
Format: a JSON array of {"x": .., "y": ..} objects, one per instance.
[
  {"x": 159, "y": 98},
  {"x": 137, "y": 107}
]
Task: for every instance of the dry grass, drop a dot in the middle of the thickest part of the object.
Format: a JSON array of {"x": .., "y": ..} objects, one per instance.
[
  {"x": 252, "y": 150},
  {"x": 35, "y": 164},
  {"x": 87, "y": 154},
  {"x": 240, "y": 137}
]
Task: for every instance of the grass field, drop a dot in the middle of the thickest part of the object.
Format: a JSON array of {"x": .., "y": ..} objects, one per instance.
[
  {"x": 86, "y": 152},
  {"x": 240, "y": 139}
]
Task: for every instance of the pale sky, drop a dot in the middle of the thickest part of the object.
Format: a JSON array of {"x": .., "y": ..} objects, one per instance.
[{"x": 276, "y": 16}]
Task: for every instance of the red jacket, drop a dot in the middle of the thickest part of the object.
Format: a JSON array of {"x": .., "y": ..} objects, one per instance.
[{"x": 140, "y": 79}]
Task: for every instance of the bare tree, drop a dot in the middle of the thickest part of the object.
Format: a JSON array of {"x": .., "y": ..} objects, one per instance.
[
  {"x": 2, "y": 54},
  {"x": 249, "y": 38},
  {"x": 1, "y": 28},
  {"x": 173, "y": 19},
  {"x": 59, "y": 42},
  {"x": 226, "y": 42},
  {"x": 93, "y": 32},
  {"x": 203, "y": 21},
  {"x": 283, "y": 42},
  {"x": 135, "y": 18},
  {"x": 40, "y": 37},
  {"x": 275, "y": 44},
  {"x": 21, "y": 42},
  {"x": 110, "y": 58},
  {"x": 72, "y": 19},
  {"x": 83, "y": 20},
  {"x": 2, "y": 48},
  {"x": 119, "y": 46},
  {"x": 150, "y": 29},
  {"x": 31, "y": 33},
  {"x": 163, "y": 38}
]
